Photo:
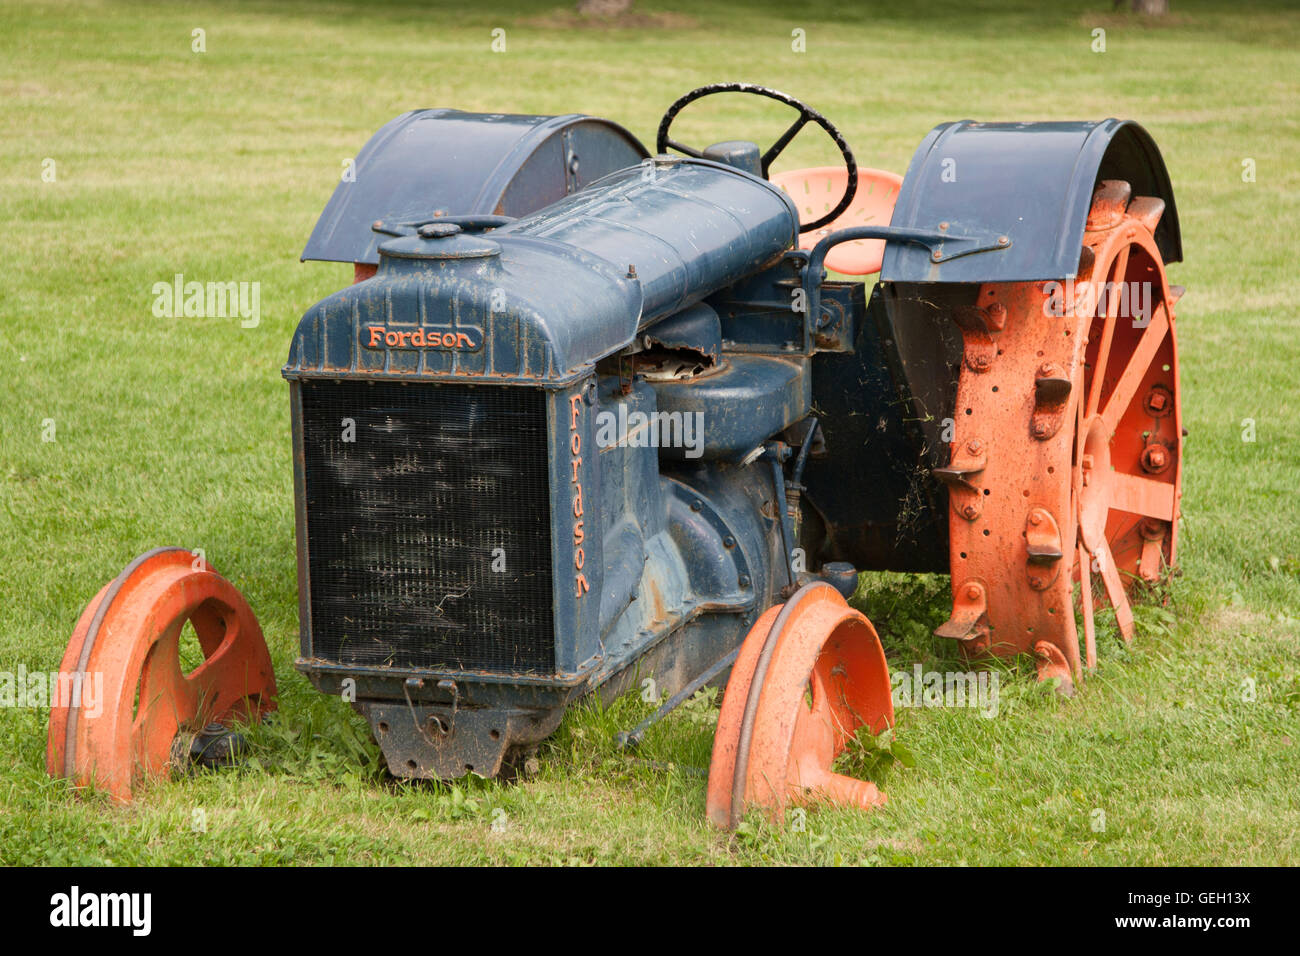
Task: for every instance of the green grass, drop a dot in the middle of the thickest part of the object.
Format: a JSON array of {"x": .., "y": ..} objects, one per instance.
[{"x": 176, "y": 431}]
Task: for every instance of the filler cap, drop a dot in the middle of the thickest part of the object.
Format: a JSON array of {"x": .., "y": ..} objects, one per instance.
[{"x": 434, "y": 240}]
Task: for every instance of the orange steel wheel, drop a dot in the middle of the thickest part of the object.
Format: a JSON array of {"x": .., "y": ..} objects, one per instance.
[
  {"x": 811, "y": 671},
  {"x": 128, "y": 638},
  {"x": 1067, "y": 455}
]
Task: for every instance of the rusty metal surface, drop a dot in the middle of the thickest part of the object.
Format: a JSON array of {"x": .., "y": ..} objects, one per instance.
[
  {"x": 1067, "y": 453},
  {"x": 810, "y": 672},
  {"x": 128, "y": 636}
]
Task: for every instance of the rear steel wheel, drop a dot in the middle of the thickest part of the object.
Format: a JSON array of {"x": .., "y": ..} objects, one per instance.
[
  {"x": 811, "y": 671},
  {"x": 1067, "y": 451},
  {"x": 121, "y": 720}
]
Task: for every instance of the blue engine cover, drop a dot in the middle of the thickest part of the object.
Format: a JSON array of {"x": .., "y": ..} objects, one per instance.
[{"x": 546, "y": 296}]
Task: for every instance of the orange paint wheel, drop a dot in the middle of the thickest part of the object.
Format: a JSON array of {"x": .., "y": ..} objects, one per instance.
[
  {"x": 128, "y": 702},
  {"x": 1066, "y": 462},
  {"x": 810, "y": 672}
]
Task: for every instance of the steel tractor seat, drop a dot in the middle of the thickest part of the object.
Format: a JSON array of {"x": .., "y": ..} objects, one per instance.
[{"x": 816, "y": 188}]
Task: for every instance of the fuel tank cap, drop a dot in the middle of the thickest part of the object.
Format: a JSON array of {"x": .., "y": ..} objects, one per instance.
[{"x": 439, "y": 240}]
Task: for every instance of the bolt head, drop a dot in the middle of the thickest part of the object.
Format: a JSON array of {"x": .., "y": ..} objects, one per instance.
[
  {"x": 1041, "y": 429},
  {"x": 1155, "y": 457},
  {"x": 974, "y": 446},
  {"x": 970, "y": 512},
  {"x": 1035, "y": 518},
  {"x": 972, "y": 592}
]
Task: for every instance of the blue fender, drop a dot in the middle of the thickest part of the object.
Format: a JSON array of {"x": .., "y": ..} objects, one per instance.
[
  {"x": 1031, "y": 182},
  {"x": 444, "y": 162}
]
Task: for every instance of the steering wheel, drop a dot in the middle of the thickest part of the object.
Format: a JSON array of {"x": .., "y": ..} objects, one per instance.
[{"x": 806, "y": 115}]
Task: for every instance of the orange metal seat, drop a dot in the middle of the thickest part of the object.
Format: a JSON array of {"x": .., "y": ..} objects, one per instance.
[{"x": 817, "y": 189}]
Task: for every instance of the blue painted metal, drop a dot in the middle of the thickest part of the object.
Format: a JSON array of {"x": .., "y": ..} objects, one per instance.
[
  {"x": 1030, "y": 182},
  {"x": 654, "y": 565},
  {"x": 547, "y": 295},
  {"x": 665, "y": 290},
  {"x": 739, "y": 153},
  {"x": 748, "y": 400},
  {"x": 696, "y": 329},
  {"x": 442, "y": 161},
  {"x": 872, "y": 441},
  {"x": 682, "y": 227},
  {"x": 943, "y": 244}
]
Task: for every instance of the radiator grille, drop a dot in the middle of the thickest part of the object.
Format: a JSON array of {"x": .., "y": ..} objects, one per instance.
[{"x": 403, "y": 525}]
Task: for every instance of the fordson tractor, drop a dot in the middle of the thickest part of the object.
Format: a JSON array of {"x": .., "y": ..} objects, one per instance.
[{"x": 590, "y": 415}]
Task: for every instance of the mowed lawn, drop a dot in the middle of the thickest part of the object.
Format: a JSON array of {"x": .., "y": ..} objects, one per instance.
[{"x": 1181, "y": 749}]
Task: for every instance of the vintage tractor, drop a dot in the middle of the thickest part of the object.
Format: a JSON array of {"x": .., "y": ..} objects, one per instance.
[{"x": 589, "y": 416}]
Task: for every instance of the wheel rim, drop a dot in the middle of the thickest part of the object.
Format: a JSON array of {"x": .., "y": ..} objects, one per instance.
[
  {"x": 1091, "y": 488},
  {"x": 128, "y": 637},
  {"x": 809, "y": 673},
  {"x": 1128, "y": 455}
]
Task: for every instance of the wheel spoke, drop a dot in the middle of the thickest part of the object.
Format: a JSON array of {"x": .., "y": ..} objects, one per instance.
[
  {"x": 224, "y": 678},
  {"x": 164, "y": 689},
  {"x": 1142, "y": 496},
  {"x": 1108, "y": 334},
  {"x": 1139, "y": 363},
  {"x": 1076, "y": 467},
  {"x": 167, "y": 702},
  {"x": 213, "y": 625},
  {"x": 775, "y": 149},
  {"x": 1085, "y": 599},
  {"x": 682, "y": 148},
  {"x": 1115, "y": 591},
  {"x": 816, "y": 730}
]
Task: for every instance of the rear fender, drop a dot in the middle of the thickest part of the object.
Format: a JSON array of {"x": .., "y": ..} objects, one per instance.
[
  {"x": 1031, "y": 182},
  {"x": 443, "y": 162}
]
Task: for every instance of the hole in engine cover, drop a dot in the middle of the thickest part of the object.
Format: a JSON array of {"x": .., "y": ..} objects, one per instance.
[{"x": 683, "y": 346}]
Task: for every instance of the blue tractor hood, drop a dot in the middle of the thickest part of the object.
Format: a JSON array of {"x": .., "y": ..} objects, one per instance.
[{"x": 544, "y": 297}]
